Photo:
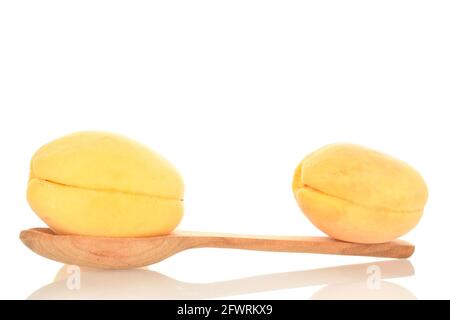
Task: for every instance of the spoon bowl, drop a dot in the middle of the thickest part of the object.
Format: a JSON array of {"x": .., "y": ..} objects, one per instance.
[{"x": 126, "y": 253}]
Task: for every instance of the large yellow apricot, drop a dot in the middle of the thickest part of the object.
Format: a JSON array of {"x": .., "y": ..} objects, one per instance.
[
  {"x": 103, "y": 184},
  {"x": 357, "y": 194}
]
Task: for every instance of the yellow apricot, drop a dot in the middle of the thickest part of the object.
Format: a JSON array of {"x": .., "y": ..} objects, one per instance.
[
  {"x": 356, "y": 194},
  {"x": 103, "y": 184}
]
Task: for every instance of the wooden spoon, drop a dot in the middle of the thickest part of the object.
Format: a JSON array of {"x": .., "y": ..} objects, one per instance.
[{"x": 124, "y": 253}]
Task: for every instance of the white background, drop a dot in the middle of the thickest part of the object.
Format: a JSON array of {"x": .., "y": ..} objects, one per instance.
[{"x": 235, "y": 94}]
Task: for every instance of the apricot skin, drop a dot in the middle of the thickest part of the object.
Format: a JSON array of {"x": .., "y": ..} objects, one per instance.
[
  {"x": 356, "y": 194},
  {"x": 103, "y": 184}
]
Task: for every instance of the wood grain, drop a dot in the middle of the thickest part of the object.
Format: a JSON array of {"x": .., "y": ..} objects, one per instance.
[{"x": 124, "y": 253}]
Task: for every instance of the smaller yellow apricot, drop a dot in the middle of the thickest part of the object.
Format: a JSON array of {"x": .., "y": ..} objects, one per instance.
[{"x": 360, "y": 195}]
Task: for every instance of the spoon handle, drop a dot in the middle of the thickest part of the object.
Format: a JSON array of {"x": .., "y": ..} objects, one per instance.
[{"x": 321, "y": 245}]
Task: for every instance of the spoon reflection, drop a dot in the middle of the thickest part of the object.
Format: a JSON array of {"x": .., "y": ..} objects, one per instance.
[
  {"x": 360, "y": 291},
  {"x": 358, "y": 281}
]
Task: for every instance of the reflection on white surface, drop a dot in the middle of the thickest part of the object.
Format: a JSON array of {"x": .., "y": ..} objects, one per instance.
[
  {"x": 360, "y": 291},
  {"x": 358, "y": 281}
]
